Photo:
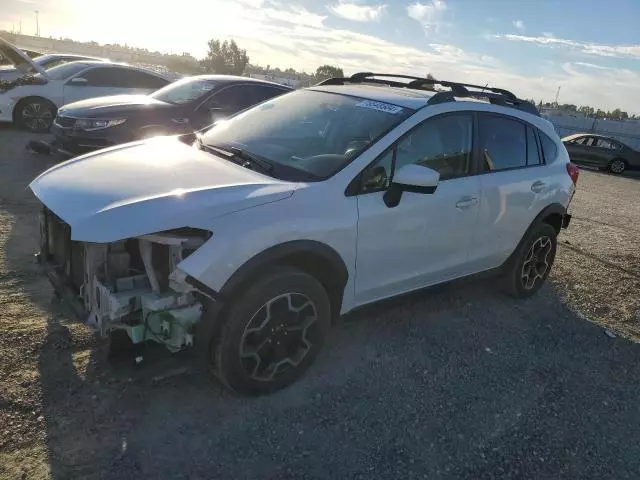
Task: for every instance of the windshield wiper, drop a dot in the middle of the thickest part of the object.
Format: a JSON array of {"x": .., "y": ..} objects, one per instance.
[{"x": 239, "y": 156}]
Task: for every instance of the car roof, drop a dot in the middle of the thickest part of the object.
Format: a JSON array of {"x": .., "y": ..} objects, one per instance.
[
  {"x": 222, "y": 79},
  {"x": 98, "y": 63},
  {"x": 403, "y": 97}
]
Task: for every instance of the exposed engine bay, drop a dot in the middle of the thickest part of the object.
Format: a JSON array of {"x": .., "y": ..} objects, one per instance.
[
  {"x": 6, "y": 85},
  {"x": 130, "y": 285}
]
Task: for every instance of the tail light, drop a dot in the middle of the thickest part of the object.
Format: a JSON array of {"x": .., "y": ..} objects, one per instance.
[{"x": 573, "y": 171}]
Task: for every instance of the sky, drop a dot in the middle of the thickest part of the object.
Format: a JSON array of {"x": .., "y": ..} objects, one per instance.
[{"x": 588, "y": 48}]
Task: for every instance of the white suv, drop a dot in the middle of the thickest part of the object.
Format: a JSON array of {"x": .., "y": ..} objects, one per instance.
[{"x": 247, "y": 240}]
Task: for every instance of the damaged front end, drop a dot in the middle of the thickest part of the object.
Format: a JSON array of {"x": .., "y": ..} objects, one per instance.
[{"x": 132, "y": 285}]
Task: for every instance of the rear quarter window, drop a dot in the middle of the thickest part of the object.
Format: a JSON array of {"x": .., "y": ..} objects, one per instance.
[{"x": 549, "y": 148}]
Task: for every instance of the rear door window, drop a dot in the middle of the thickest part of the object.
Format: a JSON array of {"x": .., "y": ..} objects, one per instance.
[
  {"x": 549, "y": 147},
  {"x": 503, "y": 143},
  {"x": 138, "y": 79},
  {"x": 104, "y": 77},
  {"x": 533, "y": 155}
]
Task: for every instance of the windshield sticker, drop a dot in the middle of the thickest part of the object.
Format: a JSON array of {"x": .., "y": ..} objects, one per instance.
[{"x": 381, "y": 106}]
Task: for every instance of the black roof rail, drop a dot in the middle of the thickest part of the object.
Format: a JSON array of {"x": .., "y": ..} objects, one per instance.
[{"x": 496, "y": 96}]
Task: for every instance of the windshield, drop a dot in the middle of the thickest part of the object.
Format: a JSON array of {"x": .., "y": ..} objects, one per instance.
[
  {"x": 311, "y": 131},
  {"x": 184, "y": 91},
  {"x": 65, "y": 70}
]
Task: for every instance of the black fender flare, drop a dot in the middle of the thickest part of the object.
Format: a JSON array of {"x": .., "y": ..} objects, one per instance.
[
  {"x": 280, "y": 252},
  {"x": 553, "y": 209}
]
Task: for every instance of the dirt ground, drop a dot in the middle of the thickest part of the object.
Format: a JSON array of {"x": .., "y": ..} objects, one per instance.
[{"x": 453, "y": 383}]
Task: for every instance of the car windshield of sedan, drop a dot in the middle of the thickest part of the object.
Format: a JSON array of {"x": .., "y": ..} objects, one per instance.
[
  {"x": 184, "y": 91},
  {"x": 315, "y": 132}
]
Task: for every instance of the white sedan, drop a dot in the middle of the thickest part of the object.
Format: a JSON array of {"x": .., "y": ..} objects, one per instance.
[{"x": 32, "y": 100}]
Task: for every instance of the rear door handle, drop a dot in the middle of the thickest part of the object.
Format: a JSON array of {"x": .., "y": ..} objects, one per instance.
[
  {"x": 466, "y": 202},
  {"x": 538, "y": 186}
]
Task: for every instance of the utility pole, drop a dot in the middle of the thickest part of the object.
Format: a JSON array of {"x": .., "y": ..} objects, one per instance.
[
  {"x": 37, "y": 23},
  {"x": 20, "y": 27}
]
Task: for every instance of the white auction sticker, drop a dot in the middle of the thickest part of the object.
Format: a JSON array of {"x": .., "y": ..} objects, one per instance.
[{"x": 383, "y": 107}]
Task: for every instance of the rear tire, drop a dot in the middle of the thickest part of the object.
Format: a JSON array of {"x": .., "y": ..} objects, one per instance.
[
  {"x": 531, "y": 264},
  {"x": 617, "y": 166},
  {"x": 35, "y": 114},
  {"x": 271, "y": 332}
]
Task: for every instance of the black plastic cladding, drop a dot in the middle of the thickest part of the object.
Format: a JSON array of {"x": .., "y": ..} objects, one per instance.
[{"x": 495, "y": 96}]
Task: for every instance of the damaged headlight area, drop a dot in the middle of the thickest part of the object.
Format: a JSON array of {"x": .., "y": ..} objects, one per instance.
[
  {"x": 132, "y": 285},
  {"x": 6, "y": 85}
]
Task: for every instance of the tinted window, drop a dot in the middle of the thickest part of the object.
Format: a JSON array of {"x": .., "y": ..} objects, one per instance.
[
  {"x": 605, "y": 143},
  {"x": 503, "y": 143},
  {"x": 104, "y": 77},
  {"x": 442, "y": 143},
  {"x": 138, "y": 79},
  {"x": 122, "y": 78},
  {"x": 549, "y": 148},
  {"x": 230, "y": 99},
  {"x": 238, "y": 97},
  {"x": 259, "y": 93},
  {"x": 533, "y": 156}
]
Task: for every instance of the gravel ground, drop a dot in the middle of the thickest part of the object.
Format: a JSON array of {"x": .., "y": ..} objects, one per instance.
[{"x": 459, "y": 382}]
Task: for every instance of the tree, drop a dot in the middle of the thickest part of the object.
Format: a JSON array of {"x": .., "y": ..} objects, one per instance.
[
  {"x": 184, "y": 63},
  {"x": 328, "y": 71},
  {"x": 225, "y": 58}
]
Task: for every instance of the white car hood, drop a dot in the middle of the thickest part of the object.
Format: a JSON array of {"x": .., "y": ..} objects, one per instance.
[
  {"x": 150, "y": 186},
  {"x": 19, "y": 59}
]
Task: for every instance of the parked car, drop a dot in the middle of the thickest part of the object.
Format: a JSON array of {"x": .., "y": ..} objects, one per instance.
[
  {"x": 46, "y": 61},
  {"x": 184, "y": 106},
  {"x": 248, "y": 242},
  {"x": 603, "y": 152},
  {"x": 31, "y": 101}
]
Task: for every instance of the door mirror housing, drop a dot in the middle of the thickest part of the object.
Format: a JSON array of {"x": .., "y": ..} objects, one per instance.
[
  {"x": 411, "y": 178},
  {"x": 78, "y": 81}
]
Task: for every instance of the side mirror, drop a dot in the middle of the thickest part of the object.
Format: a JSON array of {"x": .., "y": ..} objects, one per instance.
[
  {"x": 79, "y": 81},
  {"x": 411, "y": 178}
]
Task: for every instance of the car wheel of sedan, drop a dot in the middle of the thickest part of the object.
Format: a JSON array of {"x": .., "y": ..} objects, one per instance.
[
  {"x": 617, "y": 166},
  {"x": 35, "y": 114},
  {"x": 532, "y": 261},
  {"x": 271, "y": 332}
]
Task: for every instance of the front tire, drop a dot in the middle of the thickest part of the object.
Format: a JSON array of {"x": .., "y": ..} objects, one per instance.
[
  {"x": 531, "y": 264},
  {"x": 271, "y": 332},
  {"x": 35, "y": 114}
]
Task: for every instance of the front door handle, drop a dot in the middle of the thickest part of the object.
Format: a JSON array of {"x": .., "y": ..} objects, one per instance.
[
  {"x": 538, "y": 186},
  {"x": 466, "y": 202}
]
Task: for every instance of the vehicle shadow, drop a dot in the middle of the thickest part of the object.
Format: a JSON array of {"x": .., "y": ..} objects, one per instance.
[{"x": 455, "y": 382}]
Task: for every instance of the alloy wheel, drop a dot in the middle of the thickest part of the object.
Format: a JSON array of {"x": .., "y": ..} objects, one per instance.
[
  {"x": 536, "y": 264},
  {"x": 278, "y": 337},
  {"x": 617, "y": 166},
  {"x": 37, "y": 117}
]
